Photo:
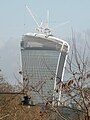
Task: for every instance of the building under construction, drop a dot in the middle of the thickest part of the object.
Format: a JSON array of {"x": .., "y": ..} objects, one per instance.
[{"x": 43, "y": 64}]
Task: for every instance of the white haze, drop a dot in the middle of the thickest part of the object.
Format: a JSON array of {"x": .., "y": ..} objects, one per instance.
[{"x": 10, "y": 59}]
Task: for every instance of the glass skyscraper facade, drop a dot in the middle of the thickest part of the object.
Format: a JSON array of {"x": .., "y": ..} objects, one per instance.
[{"x": 43, "y": 62}]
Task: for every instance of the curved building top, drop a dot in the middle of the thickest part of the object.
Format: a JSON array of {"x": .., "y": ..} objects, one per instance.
[{"x": 47, "y": 37}]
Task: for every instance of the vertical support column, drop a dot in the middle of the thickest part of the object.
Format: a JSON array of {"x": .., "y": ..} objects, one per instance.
[
  {"x": 56, "y": 95},
  {"x": 63, "y": 70}
]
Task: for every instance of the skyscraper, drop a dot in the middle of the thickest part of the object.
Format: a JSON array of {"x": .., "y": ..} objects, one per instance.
[{"x": 43, "y": 63}]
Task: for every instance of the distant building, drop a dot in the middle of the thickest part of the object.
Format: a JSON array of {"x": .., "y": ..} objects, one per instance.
[
  {"x": 43, "y": 63},
  {"x": 70, "y": 113}
]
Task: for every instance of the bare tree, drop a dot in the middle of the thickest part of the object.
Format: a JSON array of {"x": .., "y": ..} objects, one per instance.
[{"x": 77, "y": 88}]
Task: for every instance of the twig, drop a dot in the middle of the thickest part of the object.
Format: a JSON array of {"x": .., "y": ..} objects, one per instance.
[{"x": 4, "y": 116}]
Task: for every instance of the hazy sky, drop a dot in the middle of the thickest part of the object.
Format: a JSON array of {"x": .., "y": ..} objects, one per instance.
[{"x": 15, "y": 20}]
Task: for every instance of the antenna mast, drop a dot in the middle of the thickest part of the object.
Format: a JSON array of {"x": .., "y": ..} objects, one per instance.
[
  {"x": 47, "y": 19},
  {"x": 39, "y": 26},
  {"x": 47, "y": 30}
]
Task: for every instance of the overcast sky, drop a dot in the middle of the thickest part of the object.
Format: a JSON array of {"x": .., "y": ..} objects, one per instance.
[{"x": 15, "y": 21}]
